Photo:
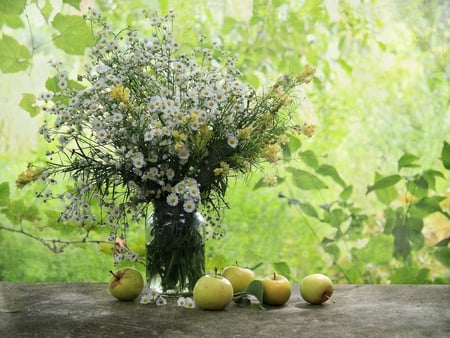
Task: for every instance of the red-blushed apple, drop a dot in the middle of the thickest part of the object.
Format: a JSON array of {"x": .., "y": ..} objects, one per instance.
[
  {"x": 239, "y": 277},
  {"x": 316, "y": 288},
  {"x": 276, "y": 290},
  {"x": 126, "y": 284},
  {"x": 212, "y": 292}
]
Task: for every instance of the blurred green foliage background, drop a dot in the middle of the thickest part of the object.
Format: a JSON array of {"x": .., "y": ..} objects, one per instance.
[{"x": 381, "y": 91}]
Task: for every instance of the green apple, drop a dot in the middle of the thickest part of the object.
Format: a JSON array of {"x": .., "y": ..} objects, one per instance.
[
  {"x": 212, "y": 292},
  {"x": 316, "y": 288},
  {"x": 276, "y": 289},
  {"x": 239, "y": 277},
  {"x": 126, "y": 284}
]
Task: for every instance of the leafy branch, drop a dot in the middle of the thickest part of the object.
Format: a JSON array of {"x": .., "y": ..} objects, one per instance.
[{"x": 55, "y": 245}]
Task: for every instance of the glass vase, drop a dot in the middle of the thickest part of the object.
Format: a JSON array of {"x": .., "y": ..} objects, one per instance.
[{"x": 175, "y": 250}]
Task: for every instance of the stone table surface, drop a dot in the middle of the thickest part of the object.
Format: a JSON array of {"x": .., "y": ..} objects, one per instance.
[{"x": 88, "y": 310}]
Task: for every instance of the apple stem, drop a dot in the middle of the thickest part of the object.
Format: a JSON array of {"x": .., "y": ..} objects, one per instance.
[
  {"x": 112, "y": 273},
  {"x": 274, "y": 276},
  {"x": 330, "y": 299},
  {"x": 215, "y": 271}
]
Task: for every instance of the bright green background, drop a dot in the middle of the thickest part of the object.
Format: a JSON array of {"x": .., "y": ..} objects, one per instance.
[{"x": 381, "y": 90}]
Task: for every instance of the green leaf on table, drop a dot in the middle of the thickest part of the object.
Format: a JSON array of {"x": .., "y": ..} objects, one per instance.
[
  {"x": 4, "y": 193},
  {"x": 329, "y": 170},
  {"x": 445, "y": 155},
  {"x": 28, "y": 103},
  {"x": 242, "y": 301},
  {"x": 14, "y": 57},
  {"x": 383, "y": 183},
  {"x": 407, "y": 161},
  {"x": 255, "y": 288},
  {"x": 305, "y": 180},
  {"x": 74, "y": 34}
]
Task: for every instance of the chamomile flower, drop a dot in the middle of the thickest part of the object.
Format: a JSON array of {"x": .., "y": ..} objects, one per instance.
[
  {"x": 189, "y": 206},
  {"x": 189, "y": 303},
  {"x": 232, "y": 141},
  {"x": 181, "y": 301},
  {"x": 146, "y": 299},
  {"x": 172, "y": 199},
  {"x": 161, "y": 301}
]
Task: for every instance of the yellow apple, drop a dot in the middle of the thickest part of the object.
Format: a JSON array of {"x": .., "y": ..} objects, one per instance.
[
  {"x": 316, "y": 288},
  {"x": 239, "y": 277},
  {"x": 126, "y": 284},
  {"x": 276, "y": 289},
  {"x": 212, "y": 292}
]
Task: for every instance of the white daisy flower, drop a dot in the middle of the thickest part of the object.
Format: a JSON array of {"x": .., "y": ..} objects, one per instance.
[
  {"x": 189, "y": 303},
  {"x": 172, "y": 199},
  {"x": 189, "y": 206},
  {"x": 232, "y": 141}
]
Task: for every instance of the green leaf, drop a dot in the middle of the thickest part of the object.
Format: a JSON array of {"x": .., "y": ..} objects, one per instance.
[
  {"x": 418, "y": 186},
  {"x": 255, "y": 288},
  {"x": 74, "y": 34},
  {"x": 28, "y": 103},
  {"x": 426, "y": 206},
  {"x": 346, "y": 193},
  {"x": 410, "y": 275},
  {"x": 443, "y": 242},
  {"x": 333, "y": 250},
  {"x": 442, "y": 254},
  {"x": 10, "y": 11},
  {"x": 4, "y": 193},
  {"x": 47, "y": 9},
  {"x": 14, "y": 57},
  {"x": 377, "y": 250},
  {"x": 242, "y": 301},
  {"x": 308, "y": 209},
  {"x": 445, "y": 155},
  {"x": 73, "y": 3},
  {"x": 430, "y": 176},
  {"x": 384, "y": 182},
  {"x": 305, "y": 180},
  {"x": 402, "y": 243},
  {"x": 407, "y": 161},
  {"x": 282, "y": 268},
  {"x": 345, "y": 66},
  {"x": 291, "y": 147},
  {"x": 329, "y": 170},
  {"x": 309, "y": 158}
]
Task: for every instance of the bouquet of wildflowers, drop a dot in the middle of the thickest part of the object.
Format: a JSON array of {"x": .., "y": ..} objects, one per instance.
[{"x": 151, "y": 123}]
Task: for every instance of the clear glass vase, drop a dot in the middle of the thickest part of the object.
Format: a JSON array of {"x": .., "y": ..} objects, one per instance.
[{"x": 175, "y": 250}]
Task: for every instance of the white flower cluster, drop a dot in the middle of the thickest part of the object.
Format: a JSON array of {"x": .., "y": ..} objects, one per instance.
[
  {"x": 147, "y": 122},
  {"x": 153, "y": 296}
]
